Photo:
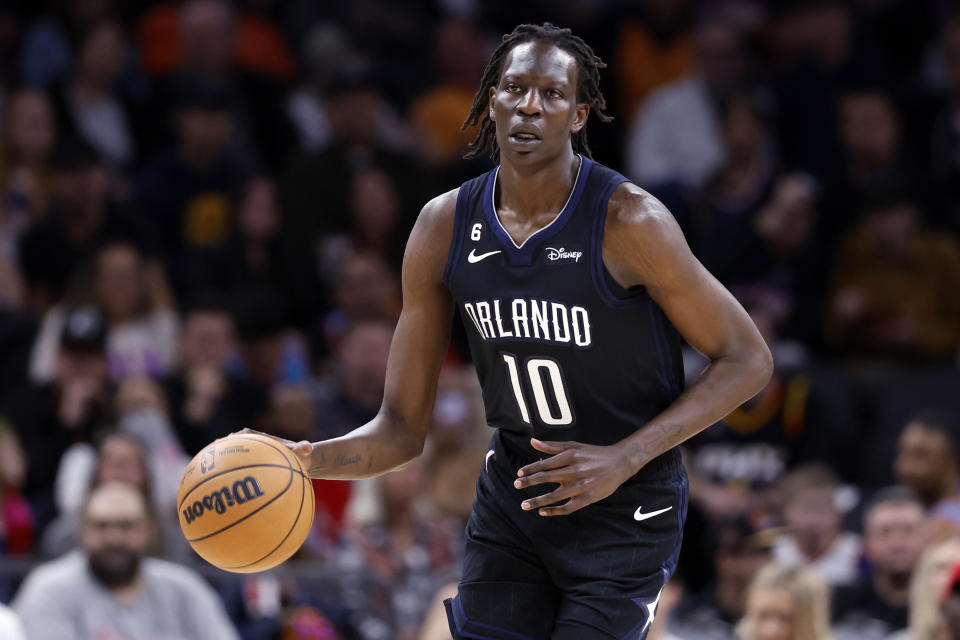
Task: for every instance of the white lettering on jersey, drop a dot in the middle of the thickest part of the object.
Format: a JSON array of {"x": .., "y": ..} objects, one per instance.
[{"x": 550, "y": 321}]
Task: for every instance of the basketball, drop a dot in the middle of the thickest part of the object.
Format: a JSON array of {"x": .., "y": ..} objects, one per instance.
[{"x": 245, "y": 503}]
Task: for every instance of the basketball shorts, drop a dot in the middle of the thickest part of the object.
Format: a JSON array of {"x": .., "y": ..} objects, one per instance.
[{"x": 595, "y": 573}]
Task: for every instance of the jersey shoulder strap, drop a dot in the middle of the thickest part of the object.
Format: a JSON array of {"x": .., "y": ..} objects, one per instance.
[{"x": 468, "y": 206}]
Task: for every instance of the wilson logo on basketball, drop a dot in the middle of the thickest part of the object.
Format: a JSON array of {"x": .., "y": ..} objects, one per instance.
[{"x": 242, "y": 491}]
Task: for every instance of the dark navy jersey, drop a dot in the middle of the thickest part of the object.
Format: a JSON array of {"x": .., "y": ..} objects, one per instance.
[{"x": 562, "y": 351}]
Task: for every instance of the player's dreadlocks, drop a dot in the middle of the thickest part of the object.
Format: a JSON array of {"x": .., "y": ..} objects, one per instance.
[{"x": 588, "y": 84}]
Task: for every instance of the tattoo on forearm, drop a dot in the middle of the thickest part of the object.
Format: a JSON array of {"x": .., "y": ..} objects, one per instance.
[
  {"x": 658, "y": 438},
  {"x": 341, "y": 460}
]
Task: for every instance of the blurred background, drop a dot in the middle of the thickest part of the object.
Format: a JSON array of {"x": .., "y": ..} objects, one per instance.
[{"x": 203, "y": 209}]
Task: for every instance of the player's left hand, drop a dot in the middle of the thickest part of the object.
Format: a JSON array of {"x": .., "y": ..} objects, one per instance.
[{"x": 586, "y": 473}]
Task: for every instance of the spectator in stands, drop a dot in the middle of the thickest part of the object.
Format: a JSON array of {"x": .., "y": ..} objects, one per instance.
[
  {"x": 675, "y": 136},
  {"x": 437, "y": 114},
  {"x": 876, "y": 605},
  {"x": 138, "y": 306},
  {"x": 48, "y": 48},
  {"x": 871, "y": 138},
  {"x": 814, "y": 535},
  {"x": 188, "y": 193},
  {"x": 27, "y": 138},
  {"x": 208, "y": 50},
  {"x": 788, "y": 264},
  {"x": 72, "y": 407},
  {"x": 360, "y": 117},
  {"x": 326, "y": 50},
  {"x": 813, "y": 43},
  {"x": 929, "y": 582},
  {"x": 723, "y": 213},
  {"x": 93, "y": 104},
  {"x": 928, "y": 458},
  {"x": 118, "y": 458},
  {"x": 364, "y": 287},
  {"x": 377, "y": 223},
  {"x": 741, "y": 548},
  {"x": 352, "y": 392},
  {"x": 891, "y": 296},
  {"x": 786, "y": 603},
  {"x": 143, "y": 452},
  {"x": 81, "y": 218},
  {"x": 109, "y": 588},
  {"x": 654, "y": 48},
  {"x": 397, "y": 558},
  {"x": 271, "y": 352},
  {"x": 207, "y": 401},
  {"x": 256, "y": 254}
]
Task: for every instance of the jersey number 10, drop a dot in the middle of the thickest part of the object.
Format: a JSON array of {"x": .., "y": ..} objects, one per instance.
[{"x": 536, "y": 368}]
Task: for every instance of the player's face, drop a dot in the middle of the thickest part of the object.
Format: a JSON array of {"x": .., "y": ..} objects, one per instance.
[{"x": 535, "y": 105}]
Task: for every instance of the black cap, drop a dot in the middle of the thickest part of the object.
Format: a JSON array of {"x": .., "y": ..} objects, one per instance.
[{"x": 84, "y": 330}]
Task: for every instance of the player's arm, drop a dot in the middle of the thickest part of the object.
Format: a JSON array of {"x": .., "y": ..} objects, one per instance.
[
  {"x": 644, "y": 246},
  {"x": 648, "y": 248},
  {"x": 396, "y": 435}
]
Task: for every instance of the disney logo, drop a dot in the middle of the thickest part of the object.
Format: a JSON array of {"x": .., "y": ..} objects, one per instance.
[{"x": 562, "y": 254}]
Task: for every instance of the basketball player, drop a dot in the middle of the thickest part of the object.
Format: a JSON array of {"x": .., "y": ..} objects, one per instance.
[{"x": 575, "y": 288}]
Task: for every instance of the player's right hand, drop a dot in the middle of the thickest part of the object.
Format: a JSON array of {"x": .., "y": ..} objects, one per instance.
[{"x": 303, "y": 449}]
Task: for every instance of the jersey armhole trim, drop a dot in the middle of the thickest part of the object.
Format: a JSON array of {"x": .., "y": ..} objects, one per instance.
[
  {"x": 456, "y": 243},
  {"x": 598, "y": 272}
]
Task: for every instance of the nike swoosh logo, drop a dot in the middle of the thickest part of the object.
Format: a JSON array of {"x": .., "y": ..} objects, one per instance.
[
  {"x": 473, "y": 257},
  {"x": 638, "y": 515}
]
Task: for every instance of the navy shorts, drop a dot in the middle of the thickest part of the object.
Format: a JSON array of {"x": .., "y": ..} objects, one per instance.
[{"x": 596, "y": 573}]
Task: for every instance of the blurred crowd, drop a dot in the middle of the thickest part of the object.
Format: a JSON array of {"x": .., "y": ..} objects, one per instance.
[{"x": 203, "y": 210}]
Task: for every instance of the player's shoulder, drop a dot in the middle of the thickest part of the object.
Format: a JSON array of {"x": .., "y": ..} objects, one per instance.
[{"x": 634, "y": 211}]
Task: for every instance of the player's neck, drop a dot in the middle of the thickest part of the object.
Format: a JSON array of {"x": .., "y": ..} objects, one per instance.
[{"x": 528, "y": 191}]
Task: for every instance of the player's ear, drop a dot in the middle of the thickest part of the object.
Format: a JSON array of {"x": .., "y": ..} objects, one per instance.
[
  {"x": 580, "y": 118},
  {"x": 493, "y": 92}
]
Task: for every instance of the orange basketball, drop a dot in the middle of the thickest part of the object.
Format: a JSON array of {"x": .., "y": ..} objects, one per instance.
[{"x": 245, "y": 503}]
